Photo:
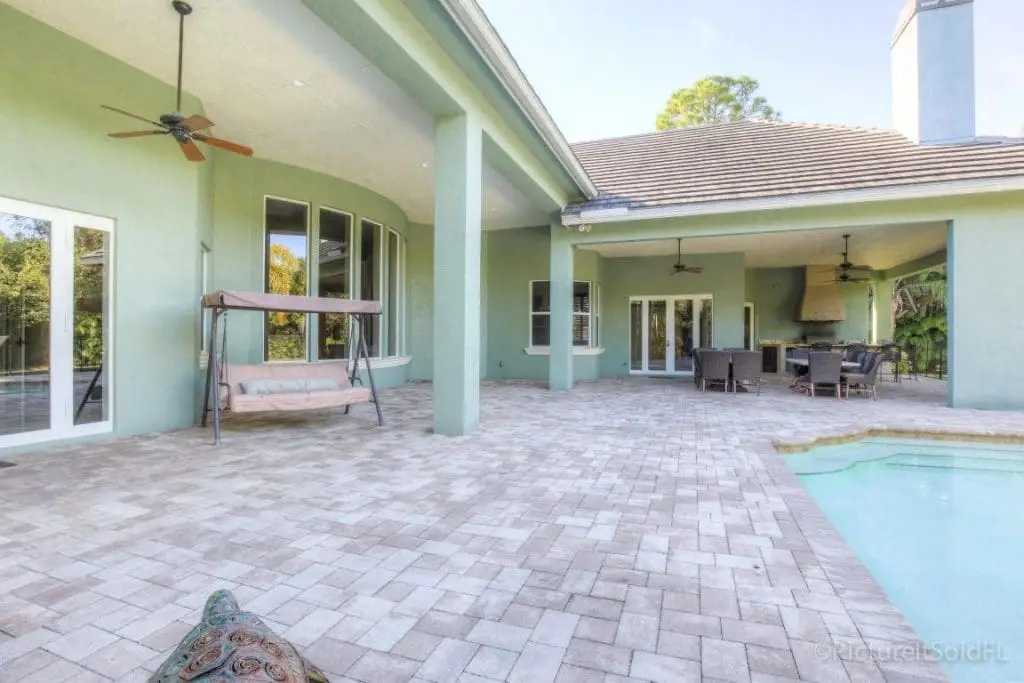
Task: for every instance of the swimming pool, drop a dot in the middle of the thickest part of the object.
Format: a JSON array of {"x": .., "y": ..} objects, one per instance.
[{"x": 940, "y": 526}]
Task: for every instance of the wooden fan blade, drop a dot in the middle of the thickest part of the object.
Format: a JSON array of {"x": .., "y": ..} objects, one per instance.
[
  {"x": 191, "y": 151},
  {"x": 224, "y": 144},
  {"x": 138, "y": 134},
  {"x": 196, "y": 122},
  {"x": 696, "y": 270},
  {"x": 134, "y": 116}
]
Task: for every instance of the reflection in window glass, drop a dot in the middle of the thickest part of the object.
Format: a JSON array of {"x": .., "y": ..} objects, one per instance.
[
  {"x": 286, "y": 249},
  {"x": 24, "y": 324},
  {"x": 540, "y": 313},
  {"x": 636, "y": 335},
  {"x": 392, "y": 308},
  {"x": 706, "y": 326},
  {"x": 90, "y": 367},
  {"x": 334, "y": 281},
  {"x": 369, "y": 280},
  {"x": 581, "y": 314}
]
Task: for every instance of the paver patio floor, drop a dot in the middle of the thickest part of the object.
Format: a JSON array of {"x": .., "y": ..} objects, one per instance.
[{"x": 629, "y": 530}]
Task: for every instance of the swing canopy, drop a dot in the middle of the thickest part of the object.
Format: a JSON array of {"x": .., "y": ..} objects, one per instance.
[
  {"x": 258, "y": 301},
  {"x": 285, "y": 386}
]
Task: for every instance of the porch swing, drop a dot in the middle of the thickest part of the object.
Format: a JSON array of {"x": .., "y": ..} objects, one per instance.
[{"x": 285, "y": 386}]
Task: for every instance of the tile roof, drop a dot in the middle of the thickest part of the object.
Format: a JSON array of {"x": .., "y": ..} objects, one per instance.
[{"x": 756, "y": 159}]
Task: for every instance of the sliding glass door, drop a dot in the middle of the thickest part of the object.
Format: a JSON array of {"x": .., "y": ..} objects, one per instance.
[
  {"x": 664, "y": 331},
  {"x": 54, "y": 323}
]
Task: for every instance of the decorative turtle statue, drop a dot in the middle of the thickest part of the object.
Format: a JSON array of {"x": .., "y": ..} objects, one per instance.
[{"x": 230, "y": 645}]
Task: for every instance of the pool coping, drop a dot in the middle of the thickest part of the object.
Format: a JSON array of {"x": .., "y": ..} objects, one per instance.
[
  {"x": 786, "y": 448},
  {"x": 861, "y": 595}
]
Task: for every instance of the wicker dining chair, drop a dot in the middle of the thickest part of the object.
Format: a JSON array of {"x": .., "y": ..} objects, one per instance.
[
  {"x": 866, "y": 380},
  {"x": 714, "y": 369},
  {"x": 746, "y": 369},
  {"x": 825, "y": 368}
]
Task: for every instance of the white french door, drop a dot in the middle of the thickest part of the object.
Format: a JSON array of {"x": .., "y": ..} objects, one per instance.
[
  {"x": 665, "y": 330},
  {"x": 55, "y": 323}
]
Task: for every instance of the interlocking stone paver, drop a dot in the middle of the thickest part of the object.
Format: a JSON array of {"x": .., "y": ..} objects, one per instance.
[
  {"x": 663, "y": 669},
  {"x": 628, "y": 511},
  {"x": 448, "y": 660},
  {"x": 538, "y": 663}
]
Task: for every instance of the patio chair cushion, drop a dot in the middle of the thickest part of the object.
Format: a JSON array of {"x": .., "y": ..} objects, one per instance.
[
  {"x": 232, "y": 645},
  {"x": 289, "y": 386}
]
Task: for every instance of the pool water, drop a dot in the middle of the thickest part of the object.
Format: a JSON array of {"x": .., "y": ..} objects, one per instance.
[{"x": 941, "y": 527}]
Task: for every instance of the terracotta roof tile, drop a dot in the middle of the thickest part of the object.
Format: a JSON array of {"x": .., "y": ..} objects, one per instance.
[{"x": 755, "y": 159}]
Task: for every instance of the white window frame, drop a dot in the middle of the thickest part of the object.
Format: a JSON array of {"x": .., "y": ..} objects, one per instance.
[
  {"x": 204, "y": 313},
  {"x": 62, "y": 396},
  {"x": 384, "y": 233},
  {"x": 592, "y": 348},
  {"x": 263, "y": 248},
  {"x": 315, "y": 318},
  {"x": 398, "y": 296}
]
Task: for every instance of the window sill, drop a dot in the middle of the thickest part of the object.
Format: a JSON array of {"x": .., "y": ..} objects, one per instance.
[{"x": 576, "y": 350}]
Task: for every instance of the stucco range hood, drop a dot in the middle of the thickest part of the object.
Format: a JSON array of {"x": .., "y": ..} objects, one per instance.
[{"x": 821, "y": 302}]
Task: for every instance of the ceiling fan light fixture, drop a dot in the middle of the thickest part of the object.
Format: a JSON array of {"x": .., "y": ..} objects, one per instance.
[{"x": 185, "y": 130}]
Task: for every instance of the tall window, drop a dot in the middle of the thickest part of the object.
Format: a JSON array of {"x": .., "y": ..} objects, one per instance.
[
  {"x": 585, "y": 313},
  {"x": 393, "y": 295},
  {"x": 286, "y": 249},
  {"x": 204, "y": 289},
  {"x": 334, "y": 280},
  {"x": 370, "y": 237}
]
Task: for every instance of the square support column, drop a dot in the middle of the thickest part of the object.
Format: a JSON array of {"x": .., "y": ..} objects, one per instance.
[
  {"x": 985, "y": 310},
  {"x": 458, "y": 148},
  {"x": 561, "y": 282}
]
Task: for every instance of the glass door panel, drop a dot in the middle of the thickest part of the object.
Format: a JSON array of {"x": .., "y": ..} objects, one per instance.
[
  {"x": 90, "y": 325},
  {"x": 657, "y": 336},
  {"x": 636, "y": 335},
  {"x": 25, "y": 266},
  {"x": 684, "y": 335},
  {"x": 706, "y": 338}
]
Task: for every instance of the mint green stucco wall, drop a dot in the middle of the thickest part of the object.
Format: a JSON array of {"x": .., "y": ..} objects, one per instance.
[
  {"x": 723, "y": 278},
  {"x": 55, "y": 152},
  {"x": 240, "y": 185},
  {"x": 776, "y": 293},
  {"x": 514, "y": 258},
  {"x": 986, "y": 310}
]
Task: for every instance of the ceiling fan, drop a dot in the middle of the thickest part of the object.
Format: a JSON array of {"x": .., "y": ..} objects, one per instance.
[
  {"x": 846, "y": 266},
  {"x": 184, "y": 129},
  {"x": 678, "y": 266}
]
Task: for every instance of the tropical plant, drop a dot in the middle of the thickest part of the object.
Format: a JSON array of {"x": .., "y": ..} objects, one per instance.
[{"x": 919, "y": 311}]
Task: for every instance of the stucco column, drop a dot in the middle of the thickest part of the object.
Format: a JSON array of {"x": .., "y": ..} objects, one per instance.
[
  {"x": 457, "y": 188},
  {"x": 884, "y": 326},
  {"x": 561, "y": 277},
  {"x": 986, "y": 310}
]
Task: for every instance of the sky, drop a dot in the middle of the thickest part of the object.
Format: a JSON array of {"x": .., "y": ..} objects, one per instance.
[{"x": 606, "y": 68}]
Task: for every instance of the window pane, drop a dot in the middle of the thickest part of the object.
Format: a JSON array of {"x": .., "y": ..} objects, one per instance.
[
  {"x": 705, "y": 324},
  {"x": 92, "y": 255},
  {"x": 24, "y": 324},
  {"x": 636, "y": 338},
  {"x": 540, "y": 334},
  {"x": 391, "y": 312},
  {"x": 204, "y": 287},
  {"x": 369, "y": 279},
  {"x": 581, "y": 297},
  {"x": 540, "y": 296},
  {"x": 286, "y": 249},
  {"x": 335, "y": 255},
  {"x": 580, "y": 330}
]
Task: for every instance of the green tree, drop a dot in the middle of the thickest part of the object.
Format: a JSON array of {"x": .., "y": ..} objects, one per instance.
[{"x": 715, "y": 99}]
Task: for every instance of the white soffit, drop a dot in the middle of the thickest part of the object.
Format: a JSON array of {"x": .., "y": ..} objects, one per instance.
[
  {"x": 243, "y": 59},
  {"x": 880, "y": 246}
]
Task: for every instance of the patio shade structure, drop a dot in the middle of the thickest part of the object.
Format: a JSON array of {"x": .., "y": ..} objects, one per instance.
[{"x": 222, "y": 301}]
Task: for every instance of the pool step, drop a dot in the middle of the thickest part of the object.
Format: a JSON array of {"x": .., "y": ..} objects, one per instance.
[{"x": 954, "y": 462}]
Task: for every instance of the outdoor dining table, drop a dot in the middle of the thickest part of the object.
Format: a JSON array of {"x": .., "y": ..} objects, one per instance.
[{"x": 803, "y": 363}]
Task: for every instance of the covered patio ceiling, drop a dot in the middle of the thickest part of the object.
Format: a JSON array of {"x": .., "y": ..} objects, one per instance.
[
  {"x": 273, "y": 76},
  {"x": 879, "y": 246}
]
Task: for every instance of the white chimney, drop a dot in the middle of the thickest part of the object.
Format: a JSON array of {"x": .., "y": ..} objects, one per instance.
[{"x": 933, "y": 71}]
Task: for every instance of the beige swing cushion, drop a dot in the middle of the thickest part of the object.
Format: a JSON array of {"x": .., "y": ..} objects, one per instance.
[{"x": 289, "y": 386}]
